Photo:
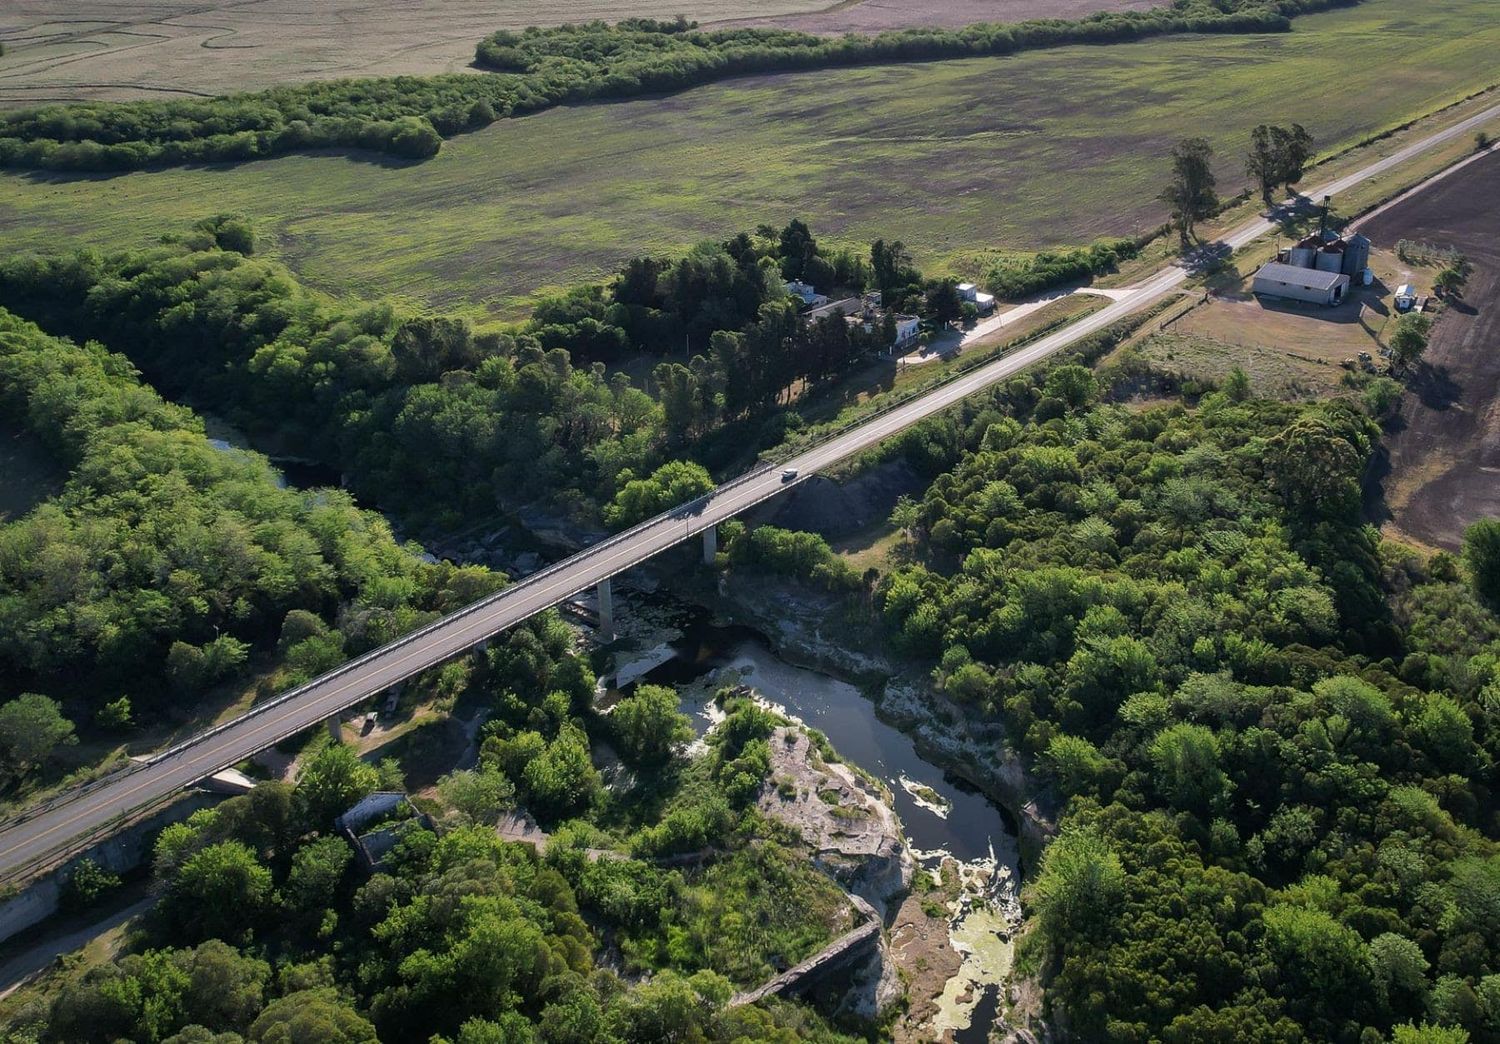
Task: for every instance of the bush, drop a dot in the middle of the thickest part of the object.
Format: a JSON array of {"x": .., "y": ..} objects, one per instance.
[{"x": 87, "y": 884}]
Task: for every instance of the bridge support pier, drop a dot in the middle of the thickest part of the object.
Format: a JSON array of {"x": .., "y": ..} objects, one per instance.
[
  {"x": 606, "y": 611},
  {"x": 336, "y": 728},
  {"x": 710, "y": 544}
]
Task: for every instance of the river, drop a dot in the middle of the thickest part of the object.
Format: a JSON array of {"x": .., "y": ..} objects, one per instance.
[{"x": 943, "y": 817}]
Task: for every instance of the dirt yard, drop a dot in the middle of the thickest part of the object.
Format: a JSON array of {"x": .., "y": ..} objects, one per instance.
[
  {"x": 1444, "y": 448},
  {"x": 67, "y": 50},
  {"x": 873, "y": 16},
  {"x": 1288, "y": 350}
]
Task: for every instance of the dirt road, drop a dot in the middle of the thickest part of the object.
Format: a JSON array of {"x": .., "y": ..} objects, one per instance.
[{"x": 1443, "y": 451}]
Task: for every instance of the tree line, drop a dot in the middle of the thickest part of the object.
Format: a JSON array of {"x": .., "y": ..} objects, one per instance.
[{"x": 409, "y": 116}]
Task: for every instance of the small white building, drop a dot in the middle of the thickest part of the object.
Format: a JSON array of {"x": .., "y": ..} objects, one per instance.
[
  {"x": 1293, "y": 283},
  {"x": 1406, "y": 297},
  {"x": 907, "y": 328},
  {"x": 978, "y": 298},
  {"x": 810, "y": 297}
]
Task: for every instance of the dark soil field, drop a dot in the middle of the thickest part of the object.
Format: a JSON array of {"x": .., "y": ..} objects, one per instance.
[
  {"x": 874, "y": 16},
  {"x": 1444, "y": 449}
]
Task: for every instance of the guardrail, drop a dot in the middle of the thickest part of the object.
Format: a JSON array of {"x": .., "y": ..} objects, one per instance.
[{"x": 71, "y": 846}]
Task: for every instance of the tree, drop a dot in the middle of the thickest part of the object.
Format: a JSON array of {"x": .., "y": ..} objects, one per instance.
[
  {"x": 1075, "y": 386},
  {"x": 796, "y": 247},
  {"x": 1482, "y": 558},
  {"x": 312, "y": 885},
  {"x": 87, "y": 884},
  {"x": 1263, "y": 164},
  {"x": 648, "y": 727},
  {"x": 562, "y": 781},
  {"x": 942, "y": 301},
  {"x": 1189, "y": 194},
  {"x": 330, "y": 783},
  {"x": 1449, "y": 283},
  {"x": 1324, "y": 965},
  {"x": 219, "y": 891},
  {"x": 1185, "y": 759},
  {"x": 31, "y": 728},
  {"x": 891, "y": 264},
  {"x": 1426, "y": 1033},
  {"x": 674, "y": 483},
  {"x": 1410, "y": 340},
  {"x": 311, "y": 1017},
  {"x": 1080, "y": 880},
  {"x": 1446, "y": 732},
  {"x": 481, "y": 795},
  {"x": 1399, "y": 971},
  {"x": 1074, "y": 763},
  {"x": 1296, "y": 149},
  {"x": 114, "y": 715}
]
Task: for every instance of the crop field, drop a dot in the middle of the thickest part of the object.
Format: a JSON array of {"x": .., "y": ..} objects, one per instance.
[
  {"x": 1047, "y": 148},
  {"x": 60, "y": 50},
  {"x": 1444, "y": 450}
]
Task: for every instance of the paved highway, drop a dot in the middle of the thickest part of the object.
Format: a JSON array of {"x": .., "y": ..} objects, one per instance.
[{"x": 27, "y": 842}]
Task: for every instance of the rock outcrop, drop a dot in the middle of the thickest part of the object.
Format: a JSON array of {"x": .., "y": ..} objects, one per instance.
[{"x": 842, "y": 816}]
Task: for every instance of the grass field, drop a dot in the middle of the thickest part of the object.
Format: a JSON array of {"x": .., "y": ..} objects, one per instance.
[
  {"x": 1043, "y": 148},
  {"x": 63, "y": 50}
]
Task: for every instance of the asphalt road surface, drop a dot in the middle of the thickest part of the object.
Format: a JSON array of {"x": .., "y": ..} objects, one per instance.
[{"x": 36, "y": 838}]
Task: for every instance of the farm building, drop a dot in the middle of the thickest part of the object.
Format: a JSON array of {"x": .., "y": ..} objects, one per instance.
[
  {"x": 1314, "y": 285},
  {"x": 907, "y": 328},
  {"x": 807, "y": 292},
  {"x": 845, "y": 307},
  {"x": 971, "y": 293}
]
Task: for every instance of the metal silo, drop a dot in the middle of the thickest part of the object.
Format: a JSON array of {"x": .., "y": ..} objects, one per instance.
[{"x": 1356, "y": 256}]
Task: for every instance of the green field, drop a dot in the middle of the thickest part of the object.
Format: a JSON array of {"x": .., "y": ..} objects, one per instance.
[{"x": 1043, "y": 148}]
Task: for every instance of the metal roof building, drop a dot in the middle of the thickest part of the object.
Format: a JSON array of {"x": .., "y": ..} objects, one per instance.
[{"x": 1301, "y": 284}]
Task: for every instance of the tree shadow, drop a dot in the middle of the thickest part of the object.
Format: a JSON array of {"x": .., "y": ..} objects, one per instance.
[
  {"x": 1376, "y": 510},
  {"x": 1434, "y": 386}
]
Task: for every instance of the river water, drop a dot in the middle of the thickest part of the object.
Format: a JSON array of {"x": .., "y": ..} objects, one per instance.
[{"x": 944, "y": 818}]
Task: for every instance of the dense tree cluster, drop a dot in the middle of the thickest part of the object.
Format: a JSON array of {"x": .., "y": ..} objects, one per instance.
[
  {"x": 268, "y": 930},
  {"x": 164, "y": 562},
  {"x": 1276, "y": 737},
  {"x": 432, "y": 420},
  {"x": 1014, "y": 277},
  {"x": 408, "y": 116},
  {"x": 1277, "y": 157}
]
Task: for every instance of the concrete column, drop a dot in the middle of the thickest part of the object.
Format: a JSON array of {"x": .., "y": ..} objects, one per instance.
[
  {"x": 336, "y": 729},
  {"x": 606, "y": 611},
  {"x": 710, "y": 544}
]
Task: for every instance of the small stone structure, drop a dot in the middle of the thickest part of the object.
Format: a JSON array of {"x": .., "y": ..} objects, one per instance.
[{"x": 371, "y": 846}]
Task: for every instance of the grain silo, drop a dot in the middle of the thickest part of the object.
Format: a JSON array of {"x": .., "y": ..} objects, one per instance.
[
  {"x": 1356, "y": 255},
  {"x": 1331, "y": 257}
]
